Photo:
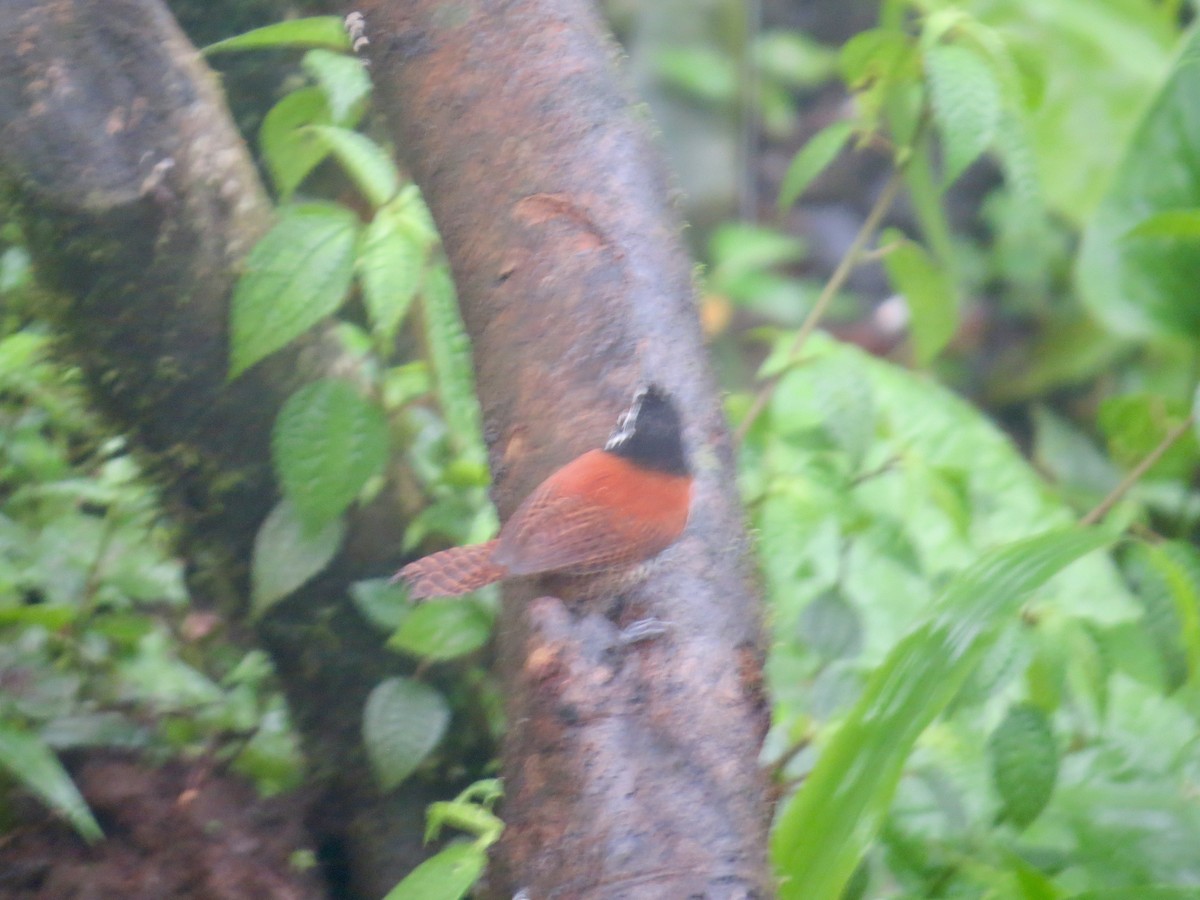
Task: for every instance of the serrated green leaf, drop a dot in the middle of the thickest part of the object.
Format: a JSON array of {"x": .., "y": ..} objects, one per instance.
[
  {"x": 1169, "y": 224},
  {"x": 448, "y": 875},
  {"x": 290, "y": 151},
  {"x": 316, "y": 31},
  {"x": 966, "y": 104},
  {"x": 298, "y": 274},
  {"x": 287, "y": 554},
  {"x": 444, "y": 630},
  {"x": 928, "y": 291},
  {"x": 382, "y": 603},
  {"x": 1146, "y": 285},
  {"x": 1024, "y": 760},
  {"x": 368, "y": 166},
  {"x": 37, "y": 769},
  {"x": 823, "y": 831},
  {"x": 450, "y": 353},
  {"x": 402, "y": 722},
  {"x": 327, "y": 442},
  {"x": 391, "y": 261},
  {"x": 812, "y": 159},
  {"x": 343, "y": 79}
]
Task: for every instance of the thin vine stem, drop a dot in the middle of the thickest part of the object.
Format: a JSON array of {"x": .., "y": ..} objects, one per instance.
[
  {"x": 1135, "y": 474},
  {"x": 852, "y": 257}
]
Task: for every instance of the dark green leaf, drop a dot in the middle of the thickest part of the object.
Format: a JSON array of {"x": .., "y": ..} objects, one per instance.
[
  {"x": 296, "y": 276},
  {"x": 327, "y": 442},
  {"x": 1024, "y": 763},
  {"x": 368, "y": 166},
  {"x": 287, "y": 554},
  {"x": 450, "y": 353},
  {"x": 443, "y": 630},
  {"x": 966, "y": 104},
  {"x": 382, "y": 603},
  {"x": 391, "y": 261},
  {"x": 403, "y": 721}
]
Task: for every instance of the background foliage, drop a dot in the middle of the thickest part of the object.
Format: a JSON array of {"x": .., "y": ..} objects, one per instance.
[{"x": 951, "y": 717}]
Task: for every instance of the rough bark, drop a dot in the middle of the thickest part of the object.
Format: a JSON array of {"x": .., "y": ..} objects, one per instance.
[
  {"x": 631, "y": 771},
  {"x": 139, "y": 201}
]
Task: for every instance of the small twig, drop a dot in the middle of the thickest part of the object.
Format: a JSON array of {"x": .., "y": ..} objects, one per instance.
[
  {"x": 1136, "y": 473},
  {"x": 851, "y": 258}
]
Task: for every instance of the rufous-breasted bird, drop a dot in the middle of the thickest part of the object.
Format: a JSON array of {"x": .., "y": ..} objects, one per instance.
[{"x": 605, "y": 511}]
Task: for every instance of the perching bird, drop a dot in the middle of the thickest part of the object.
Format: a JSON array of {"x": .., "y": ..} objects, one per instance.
[{"x": 605, "y": 511}]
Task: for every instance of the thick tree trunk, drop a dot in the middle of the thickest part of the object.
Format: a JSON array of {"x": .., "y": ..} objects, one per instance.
[
  {"x": 139, "y": 200},
  {"x": 631, "y": 771}
]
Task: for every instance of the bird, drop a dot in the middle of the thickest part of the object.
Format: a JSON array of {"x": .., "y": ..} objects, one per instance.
[{"x": 604, "y": 512}]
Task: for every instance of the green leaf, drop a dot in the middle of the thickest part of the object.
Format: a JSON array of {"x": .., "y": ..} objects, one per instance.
[
  {"x": 1169, "y": 224},
  {"x": 298, "y": 274},
  {"x": 37, "y": 769},
  {"x": 824, "y": 830},
  {"x": 812, "y": 159},
  {"x": 317, "y": 31},
  {"x": 382, "y": 603},
  {"x": 343, "y": 79},
  {"x": 450, "y": 353},
  {"x": 391, "y": 261},
  {"x": 1145, "y": 285},
  {"x": 928, "y": 291},
  {"x": 327, "y": 442},
  {"x": 287, "y": 554},
  {"x": 403, "y": 721},
  {"x": 1136, "y": 424},
  {"x": 448, "y": 875},
  {"x": 1024, "y": 761},
  {"x": 371, "y": 169},
  {"x": 702, "y": 72},
  {"x": 966, "y": 104},
  {"x": 289, "y": 149},
  {"x": 444, "y": 630}
]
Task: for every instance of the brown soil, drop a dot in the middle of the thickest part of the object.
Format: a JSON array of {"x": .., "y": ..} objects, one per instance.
[{"x": 171, "y": 832}]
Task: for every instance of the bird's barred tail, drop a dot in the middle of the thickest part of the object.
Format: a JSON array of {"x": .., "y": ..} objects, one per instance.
[{"x": 451, "y": 572}]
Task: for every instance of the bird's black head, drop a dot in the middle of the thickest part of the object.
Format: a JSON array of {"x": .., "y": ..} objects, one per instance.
[{"x": 649, "y": 433}]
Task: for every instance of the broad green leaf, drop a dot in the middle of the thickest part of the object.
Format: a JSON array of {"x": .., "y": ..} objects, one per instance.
[
  {"x": 1145, "y": 285},
  {"x": 443, "y": 630},
  {"x": 370, "y": 168},
  {"x": 966, "y": 104},
  {"x": 1024, "y": 761},
  {"x": 342, "y": 78},
  {"x": 703, "y": 72},
  {"x": 812, "y": 159},
  {"x": 1171, "y": 224},
  {"x": 824, "y": 830},
  {"x": 286, "y": 555},
  {"x": 1136, "y": 424},
  {"x": 391, "y": 260},
  {"x": 317, "y": 31},
  {"x": 927, "y": 289},
  {"x": 450, "y": 353},
  {"x": 403, "y": 721},
  {"x": 32, "y": 764},
  {"x": 448, "y": 875},
  {"x": 327, "y": 442},
  {"x": 298, "y": 274},
  {"x": 289, "y": 149},
  {"x": 382, "y": 603}
]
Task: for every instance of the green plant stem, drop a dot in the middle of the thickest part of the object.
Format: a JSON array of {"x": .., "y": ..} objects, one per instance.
[
  {"x": 1135, "y": 474},
  {"x": 852, "y": 257}
]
